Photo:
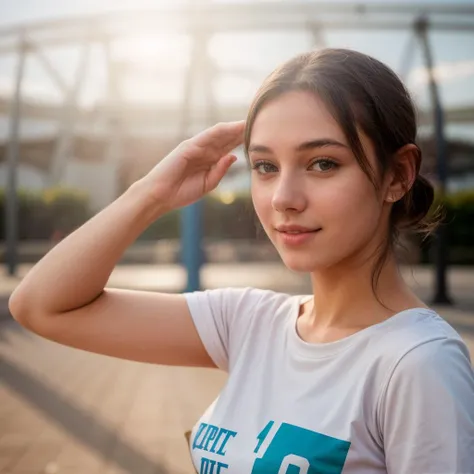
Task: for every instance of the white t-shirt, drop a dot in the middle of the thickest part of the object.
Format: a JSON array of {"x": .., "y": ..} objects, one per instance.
[{"x": 396, "y": 397}]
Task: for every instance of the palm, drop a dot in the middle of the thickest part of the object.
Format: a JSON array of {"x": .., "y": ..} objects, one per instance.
[{"x": 197, "y": 165}]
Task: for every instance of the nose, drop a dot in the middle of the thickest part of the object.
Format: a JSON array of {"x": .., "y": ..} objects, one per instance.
[{"x": 288, "y": 195}]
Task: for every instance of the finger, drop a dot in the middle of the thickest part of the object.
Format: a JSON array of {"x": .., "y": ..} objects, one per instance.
[
  {"x": 220, "y": 134},
  {"x": 215, "y": 152},
  {"x": 235, "y": 143},
  {"x": 218, "y": 171},
  {"x": 236, "y": 140},
  {"x": 210, "y": 155},
  {"x": 230, "y": 135}
]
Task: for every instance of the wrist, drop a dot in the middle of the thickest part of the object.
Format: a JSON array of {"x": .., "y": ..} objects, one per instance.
[{"x": 148, "y": 207}]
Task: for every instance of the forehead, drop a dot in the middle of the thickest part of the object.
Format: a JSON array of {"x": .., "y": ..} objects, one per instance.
[{"x": 295, "y": 117}]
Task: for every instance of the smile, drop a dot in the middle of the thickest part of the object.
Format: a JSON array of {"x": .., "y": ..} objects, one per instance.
[{"x": 297, "y": 237}]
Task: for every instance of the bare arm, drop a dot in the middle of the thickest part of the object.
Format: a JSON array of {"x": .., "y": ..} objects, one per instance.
[
  {"x": 75, "y": 272},
  {"x": 63, "y": 297}
]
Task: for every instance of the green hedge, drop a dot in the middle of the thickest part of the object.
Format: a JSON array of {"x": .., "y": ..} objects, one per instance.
[
  {"x": 45, "y": 213},
  {"x": 458, "y": 210},
  {"x": 60, "y": 211},
  {"x": 460, "y": 219},
  {"x": 235, "y": 220}
]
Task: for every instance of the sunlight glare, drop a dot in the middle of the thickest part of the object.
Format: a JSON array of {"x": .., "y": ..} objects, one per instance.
[{"x": 172, "y": 50}]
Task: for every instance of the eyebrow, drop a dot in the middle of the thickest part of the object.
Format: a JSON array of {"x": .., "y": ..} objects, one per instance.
[{"x": 309, "y": 145}]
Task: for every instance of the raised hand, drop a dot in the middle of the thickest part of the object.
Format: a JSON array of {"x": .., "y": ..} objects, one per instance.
[{"x": 196, "y": 166}]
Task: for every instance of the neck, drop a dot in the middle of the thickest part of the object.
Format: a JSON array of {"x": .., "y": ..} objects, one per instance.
[{"x": 344, "y": 297}]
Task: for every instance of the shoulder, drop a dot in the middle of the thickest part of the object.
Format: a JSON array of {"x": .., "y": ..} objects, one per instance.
[
  {"x": 425, "y": 412},
  {"x": 242, "y": 302},
  {"x": 417, "y": 344},
  {"x": 415, "y": 334},
  {"x": 429, "y": 357},
  {"x": 437, "y": 358},
  {"x": 229, "y": 318}
]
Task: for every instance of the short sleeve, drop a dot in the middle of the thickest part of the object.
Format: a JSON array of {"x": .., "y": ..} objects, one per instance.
[
  {"x": 426, "y": 414},
  {"x": 220, "y": 313}
]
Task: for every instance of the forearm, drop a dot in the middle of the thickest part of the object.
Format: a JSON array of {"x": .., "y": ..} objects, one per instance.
[{"x": 76, "y": 270}]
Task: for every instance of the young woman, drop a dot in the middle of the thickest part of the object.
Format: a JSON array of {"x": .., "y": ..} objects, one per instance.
[{"x": 359, "y": 377}]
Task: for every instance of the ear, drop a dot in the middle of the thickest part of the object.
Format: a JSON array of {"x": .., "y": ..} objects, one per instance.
[{"x": 405, "y": 169}]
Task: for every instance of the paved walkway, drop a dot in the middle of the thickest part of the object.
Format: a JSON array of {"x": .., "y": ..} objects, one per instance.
[{"x": 65, "y": 411}]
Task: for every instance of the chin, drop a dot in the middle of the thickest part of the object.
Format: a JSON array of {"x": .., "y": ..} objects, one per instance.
[
  {"x": 312, "y": 260},
  {"x": 301, "y": 263}
]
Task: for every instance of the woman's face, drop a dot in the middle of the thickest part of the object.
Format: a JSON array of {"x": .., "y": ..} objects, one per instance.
[{"x": 314, "y": 201}]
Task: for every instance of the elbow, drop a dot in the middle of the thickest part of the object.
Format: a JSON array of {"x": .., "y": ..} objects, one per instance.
[
  {"x": 30, "y": 314},
  {"x": 19, "y": 307}
]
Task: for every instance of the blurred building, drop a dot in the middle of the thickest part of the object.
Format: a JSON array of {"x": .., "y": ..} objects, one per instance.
[
  {"x": 103, "y": 97},
  {"x": 87, "y": 169}
]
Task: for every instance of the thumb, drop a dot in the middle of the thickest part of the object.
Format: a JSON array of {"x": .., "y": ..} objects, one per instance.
[{"x": 218, "y": 171}]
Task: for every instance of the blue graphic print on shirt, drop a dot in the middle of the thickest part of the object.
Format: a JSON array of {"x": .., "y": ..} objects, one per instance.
[
  {"x": 299, "y": 451},
  {"x": 293, "y": 450}
]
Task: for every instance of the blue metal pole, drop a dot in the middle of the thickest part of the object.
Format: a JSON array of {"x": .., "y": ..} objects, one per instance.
[
  {"x": 191, "y": 250},
  {"x": 200, "y": 68}
]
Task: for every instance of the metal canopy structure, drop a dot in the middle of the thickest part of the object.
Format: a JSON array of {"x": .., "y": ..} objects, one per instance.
[
  {"x": 215, "y": 17},
  {"x": 199, "y": 21}
]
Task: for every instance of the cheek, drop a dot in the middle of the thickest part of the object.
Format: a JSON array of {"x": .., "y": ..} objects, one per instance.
[
  {"x": 349, "y": 208},
  {"x": 348, "y": 199},
  {"x": 262, "y": 201}
]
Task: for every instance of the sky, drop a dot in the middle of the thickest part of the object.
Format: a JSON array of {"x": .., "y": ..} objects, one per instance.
[
  {"x": 257, "y": 52},
  {"x": 21, "y": 11}
]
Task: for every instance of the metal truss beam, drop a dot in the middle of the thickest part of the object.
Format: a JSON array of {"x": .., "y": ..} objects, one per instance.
[
  {"x": 229, "y": 17},
  {"x": 162, "y": 116}
]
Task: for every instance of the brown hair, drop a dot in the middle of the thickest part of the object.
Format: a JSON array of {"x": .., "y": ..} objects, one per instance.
[{"x": 361, "y": 93}]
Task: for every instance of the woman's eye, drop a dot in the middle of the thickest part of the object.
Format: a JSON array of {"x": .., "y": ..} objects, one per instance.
[
  {"x": 264, "y": 167},
  {"x": 324, "y": 165}
]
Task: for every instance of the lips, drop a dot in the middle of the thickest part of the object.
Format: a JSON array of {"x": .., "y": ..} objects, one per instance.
[
  {"x": 297, "y": 237},
  {"x": 298, "y": 232},
  {"x": 296, "y": 229}
]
